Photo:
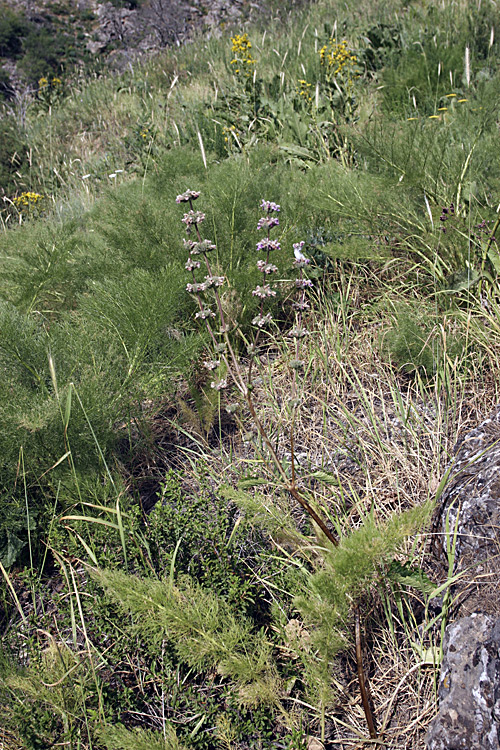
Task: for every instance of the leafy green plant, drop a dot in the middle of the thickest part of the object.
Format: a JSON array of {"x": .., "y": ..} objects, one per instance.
[
  {"x": 106, "y": 408},
  {"x": 224, "y": 361}
]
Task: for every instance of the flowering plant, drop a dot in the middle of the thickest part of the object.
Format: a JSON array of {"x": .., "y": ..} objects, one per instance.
[
  {"x": 242, "y": 62},
  {"x": 223, "y": 360}
]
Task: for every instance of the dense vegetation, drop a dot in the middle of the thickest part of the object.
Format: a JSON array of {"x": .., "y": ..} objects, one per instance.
[{"x": 160, "y": 586}]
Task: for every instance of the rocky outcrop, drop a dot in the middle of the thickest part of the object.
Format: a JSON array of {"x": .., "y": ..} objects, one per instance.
[
  {"x": 470, "y": 505},
  {"x": 132, "y": 32},
  {"x": 121, "y": 25},
  {"x": 469, "y": 688},
  {"x": 121, "y": 32}
]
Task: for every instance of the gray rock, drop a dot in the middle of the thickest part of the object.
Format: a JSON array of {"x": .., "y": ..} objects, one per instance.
[
  {"x": 469, "y": 689},
  {"x": 471, "y": 503}
]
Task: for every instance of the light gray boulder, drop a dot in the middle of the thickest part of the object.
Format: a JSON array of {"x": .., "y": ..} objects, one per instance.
[
  {"x": 469, "y": 688},
  {"x": 471, "y": 503}
]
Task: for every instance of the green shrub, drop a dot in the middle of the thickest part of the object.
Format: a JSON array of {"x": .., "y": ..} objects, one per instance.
[
  {"x": 13, "y": 27},
  {"x": 43, "y": 52}
]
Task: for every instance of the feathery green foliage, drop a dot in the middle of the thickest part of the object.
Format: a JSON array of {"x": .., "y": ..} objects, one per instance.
[
  {"x": 203, "y": 630},
  {"x": 120, "y": 738},
  {"x": 349, "y": 570}
]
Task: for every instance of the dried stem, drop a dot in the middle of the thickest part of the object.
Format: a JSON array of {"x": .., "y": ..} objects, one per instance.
[{"x": 362, "y": 679}]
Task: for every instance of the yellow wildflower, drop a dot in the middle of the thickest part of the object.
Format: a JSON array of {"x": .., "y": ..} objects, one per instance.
[
  {"x": 241, "y": 46},
  {"x": 337, "y": 58},
  {"x": 27, "y": 200}
]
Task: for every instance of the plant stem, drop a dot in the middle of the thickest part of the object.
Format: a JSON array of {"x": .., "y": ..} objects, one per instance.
[
  {"x": 363, "y": 684},
  {"x": 290, "y": 487}
]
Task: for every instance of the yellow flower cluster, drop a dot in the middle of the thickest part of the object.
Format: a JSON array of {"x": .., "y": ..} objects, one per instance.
[
  {"x": 43, "y": 82},
  {"x": 243, "y": 60},
  {"x": 303, "y": 90},
  {"x": 337, "y": 58},
  {"x": 226, "y": 131},
  {"x": 27, "y": 200}
]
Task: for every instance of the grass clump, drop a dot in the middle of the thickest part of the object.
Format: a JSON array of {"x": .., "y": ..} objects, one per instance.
[
  {"x": 417, "y": 345},
  {"x": 120, "y": 738}
]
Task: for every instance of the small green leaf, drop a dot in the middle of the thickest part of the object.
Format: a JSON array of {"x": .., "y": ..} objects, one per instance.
[
  {"x": 462, "y": 281},
  {"x": 67, "y": 408},
  {"x": 325, "y": 477},
  {"x": 299, "y": 151},
  {"x": 430, "y": 656},
  {"x": 251, "y": 482},
  {"x": 494, "y": 258},
  {"x": 410, "y": 575},
  {"x": 9, "y": 552}
]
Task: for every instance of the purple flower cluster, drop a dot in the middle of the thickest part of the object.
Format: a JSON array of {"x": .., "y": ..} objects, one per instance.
[
  {"x": 214, "y": 281},
  {"x": 202, "y": 247},
  {"x": 267, "y": 244},
  {"x": 299, "y": 332},
  {"x": 210, "y": 281},
  {"x": 301, "y": 305},
  {"x": 303, "y": 283},
  {"x": 262, "y": 320},
  {"x": 198, "y": 248},
  {"x": 448, "y": 213},
  {"x": 300, "y": 259},
  {"x": 193, "y": 218},
  {"x": 266, "y": 267},
  {"x": 211, "y": 364},
  {"x": 205, "y": 313},
  {"x": 270, "y": 207},
  {"x": 264, "y": 291},
  {"x": 189, "y": 195},
  {"x": 192, "y": 264},
  {"x": 218, "y": 385},
  {"x": 268, "y": 222},
  {"x": 195, "y": 288}
]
